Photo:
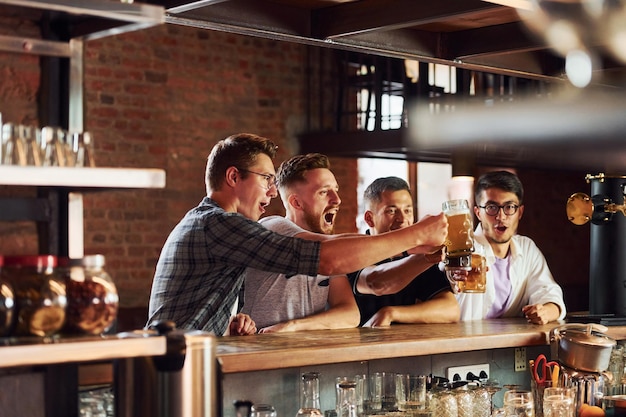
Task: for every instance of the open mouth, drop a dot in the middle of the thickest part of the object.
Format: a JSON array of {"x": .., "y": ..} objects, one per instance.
[
  {"x": 501, "y": 228},
  {"x": 329, "y": 217}
]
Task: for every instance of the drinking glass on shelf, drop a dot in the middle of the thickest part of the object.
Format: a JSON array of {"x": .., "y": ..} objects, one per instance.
[
  {"x": 82, "y": 149},
  {"x": 310, "y": 395},
  {"x": 262, "y": 410},
  {"x": 54, "y": 143},
  {"x": 388, "y": 391},
  {"x": 481, "y": 401},
  {"x": 559, "y": 402},
  {"x": 32, "y": 142},
  {"x": 492, "y": 386},
  {"x": 347, "y": 400},
  {"x": 13, "y": 145},
  {"x": 411, "y": 392},
  {"x": 371, "y": 392},
  {"x": 519, "y": 403}
]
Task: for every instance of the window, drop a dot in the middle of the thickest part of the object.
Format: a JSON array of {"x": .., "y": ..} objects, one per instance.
[{"x": 434, "y": 184}]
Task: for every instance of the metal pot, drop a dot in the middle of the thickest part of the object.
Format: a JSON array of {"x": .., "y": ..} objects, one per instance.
[{"x": 582, "y": 346}]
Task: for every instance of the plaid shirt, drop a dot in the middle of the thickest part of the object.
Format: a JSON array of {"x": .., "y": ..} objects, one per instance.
[{"x": 201, "y": 268}]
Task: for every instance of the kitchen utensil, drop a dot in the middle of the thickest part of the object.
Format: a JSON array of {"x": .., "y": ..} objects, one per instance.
[
  {"x": 582, "y": 346},
  {"x": 543, "y": 369}
]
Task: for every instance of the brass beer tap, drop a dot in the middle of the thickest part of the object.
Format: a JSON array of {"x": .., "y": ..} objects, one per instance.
[{"x": 599, "y": 209}]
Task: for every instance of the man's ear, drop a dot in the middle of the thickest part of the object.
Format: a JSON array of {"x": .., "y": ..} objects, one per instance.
[
  {"x": 232, "y": 176},
  {"x": 477, "y": 212},
  {"x": 294, "y": 201},
  {"x": 369, "y": 218}
]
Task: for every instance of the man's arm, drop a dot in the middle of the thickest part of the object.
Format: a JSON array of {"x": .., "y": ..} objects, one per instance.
[
  {"x": 391, "y": 277},
  {"x": 344, "y": 254},
  {"x": 542, "y": 313},
  {"x": 442, "y": 308},
  {"x": 545, "y": 296},
  {"x": 342, "y": 312}
]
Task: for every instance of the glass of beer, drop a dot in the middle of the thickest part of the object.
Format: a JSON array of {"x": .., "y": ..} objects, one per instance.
[
  {"x": 460, "y": 240},
  {"x": 476, "y": 280}
]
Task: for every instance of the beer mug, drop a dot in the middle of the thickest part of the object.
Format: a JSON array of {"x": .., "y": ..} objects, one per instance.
[
  {"x": 476, "y": 279},
  {"x": 460, "y": 240}
]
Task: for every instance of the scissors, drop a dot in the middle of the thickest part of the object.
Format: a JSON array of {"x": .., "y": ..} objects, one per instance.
[{"x": 543, "y": 369}]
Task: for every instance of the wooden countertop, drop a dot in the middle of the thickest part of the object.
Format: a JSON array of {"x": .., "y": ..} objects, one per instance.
[
  {"x": 284, "y": 350},
  {"x": 31, "y": 351}
]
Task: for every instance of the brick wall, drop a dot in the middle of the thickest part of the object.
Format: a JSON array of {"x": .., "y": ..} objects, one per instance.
[
  {"x": 161, "y": 98},
  {"x": 19, "y": 85}
]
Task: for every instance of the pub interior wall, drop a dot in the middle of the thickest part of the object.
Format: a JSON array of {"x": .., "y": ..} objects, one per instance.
[{"x": 161, "y": 97}]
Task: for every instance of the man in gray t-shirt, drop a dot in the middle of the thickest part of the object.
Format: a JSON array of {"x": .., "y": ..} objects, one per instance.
[{"x": 278, "y": 303}]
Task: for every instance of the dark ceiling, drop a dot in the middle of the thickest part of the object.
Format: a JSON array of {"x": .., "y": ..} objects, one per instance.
[{"x": 474, "y": 34}]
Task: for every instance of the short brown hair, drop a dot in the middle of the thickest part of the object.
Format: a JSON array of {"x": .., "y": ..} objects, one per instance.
[
  {"x": 293, "y": 169},
  {"x": 239, "y": 150}
]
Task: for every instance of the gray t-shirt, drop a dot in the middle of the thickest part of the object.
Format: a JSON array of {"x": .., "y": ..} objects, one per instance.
[{"x": 271, "y": 298}]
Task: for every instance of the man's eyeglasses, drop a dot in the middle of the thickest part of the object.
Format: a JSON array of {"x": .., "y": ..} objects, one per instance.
[
  {"x": 270, "y": 178},
  {"x": 493, "y": 209}
]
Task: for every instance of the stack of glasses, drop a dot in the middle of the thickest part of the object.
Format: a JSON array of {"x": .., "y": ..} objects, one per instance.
[{"x": 23, "y": 145}]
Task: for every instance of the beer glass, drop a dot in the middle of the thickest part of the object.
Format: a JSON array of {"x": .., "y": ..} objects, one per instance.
[
  {"x": 476, "y": 280},
  {"x": 460, "y": 240}
]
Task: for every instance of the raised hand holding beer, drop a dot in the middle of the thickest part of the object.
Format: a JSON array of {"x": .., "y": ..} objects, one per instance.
[{"x": 465, "y": 262}]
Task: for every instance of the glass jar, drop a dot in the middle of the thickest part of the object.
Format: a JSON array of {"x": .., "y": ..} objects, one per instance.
[
  {"x": 7, "y": 303},
  {"x": 39, "y": 294},
  {"x": 92, "y": 299},
  {"x": 464, "y": 401},
  {"x": 445, "y": 404},
  {"x": 482, "y": 401}
]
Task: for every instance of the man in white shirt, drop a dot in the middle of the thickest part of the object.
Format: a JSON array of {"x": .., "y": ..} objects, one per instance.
[{"x": 519, "y": 282}]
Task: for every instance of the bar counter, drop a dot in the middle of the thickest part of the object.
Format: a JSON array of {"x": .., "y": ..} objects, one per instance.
[{"x": 283, "y": 350}]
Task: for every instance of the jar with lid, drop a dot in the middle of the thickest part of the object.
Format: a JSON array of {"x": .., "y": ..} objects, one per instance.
[
  {"x": 39, "y": 294},
  {"x": 92, "y": 299},
  {"x": 7, "y": 303}
]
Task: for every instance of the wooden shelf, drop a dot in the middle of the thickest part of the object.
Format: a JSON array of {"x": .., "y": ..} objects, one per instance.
[
  {"x": 15, "y": 352},
  {"x": 82, "y": 177}
]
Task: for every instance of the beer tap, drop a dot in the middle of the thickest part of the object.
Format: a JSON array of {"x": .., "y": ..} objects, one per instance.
[{"x": 599, "y": 209}]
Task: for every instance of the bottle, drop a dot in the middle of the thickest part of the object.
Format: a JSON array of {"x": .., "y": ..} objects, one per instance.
[{"x": 310, "y": 396}]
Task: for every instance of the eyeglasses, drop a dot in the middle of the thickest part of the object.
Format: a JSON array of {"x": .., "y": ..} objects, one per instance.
[
  {"x": 270, "y": 178},
  {"x": 493, "y": 209}
]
